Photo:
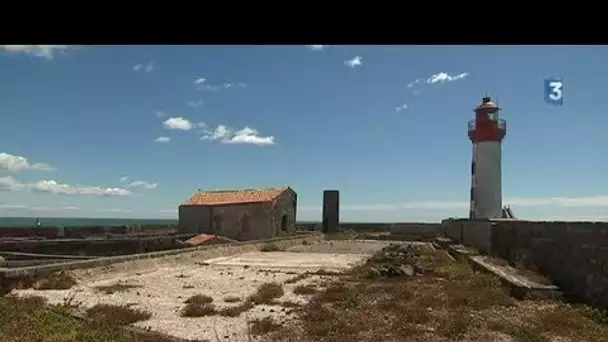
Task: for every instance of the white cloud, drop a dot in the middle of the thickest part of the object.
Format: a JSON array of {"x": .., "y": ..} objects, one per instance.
[
  {"x": 13, "y": 206},
  {"x": 142, "y": 185},
  {"x": 413, "y": 83},
  {"x": 201, "y": 84},
  {"x": 116, "y": 210},
  {"x": 44, "y": 51},
  {"x": 240, "y": 85},
  {"x": 54, "y": 187},
  {"x": 37, "y": 208},
  {"x": 195, "y": 104},
  {"x": 355, "y": 62},
  {"x": 220, "y": 132},
  {"x": 162, "y": 139},
  {"x": 178, "y": 123},
  {"x": 514, "y": 202},
  {"x": 250, "y": 136},
  {"x": 247, "y": 135},
  {"x": 160, "y": 114},
  {"x": 317, "y": 47},
  {"x": 402, "y": 107},
  {"x": 124, "y": 179},
  {"x": 443, "y": 77},
  {"x": 12, "y": 163},
  {"x": 148, "y": 67},
  {"x": 10, "y": 184},
  {"x": 51, "y": 186}
]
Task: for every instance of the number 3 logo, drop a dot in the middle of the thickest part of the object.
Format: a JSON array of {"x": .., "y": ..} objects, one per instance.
[{"x": 556, "y": 90}]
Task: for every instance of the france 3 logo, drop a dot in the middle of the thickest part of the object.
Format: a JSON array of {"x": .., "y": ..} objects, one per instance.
[{"x": 554, "y": 91}]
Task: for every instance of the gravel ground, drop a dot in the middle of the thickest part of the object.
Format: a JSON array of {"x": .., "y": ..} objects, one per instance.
[{"x": 165, "y": 287}]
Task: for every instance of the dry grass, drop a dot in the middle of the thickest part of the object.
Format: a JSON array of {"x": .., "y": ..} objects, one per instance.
[
  {"x": 266, "y": 293},
  {"x": 57, "y": 281},
  {"x": 198, "y": 310},
  {"x": 263, "y": 326},
  {"x": 271, "y": 247},
  {"x": 232, "y": 299},
  {"x": 116, "y": 315},
  {"x": 118, "y": 287},
  {"x": 234, "y": 311},
  {"x": 522, "y": 269},
  {"x": 305, "y": 290},
  {"x": 199, "y": 299},
  {"x": 28, "y": 320},
  {"x": 198, "y": 306},
  {"x": 297, "y": 278},
  {"x": 449, "y": 301}
]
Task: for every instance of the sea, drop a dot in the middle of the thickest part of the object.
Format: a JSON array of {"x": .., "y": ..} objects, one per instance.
[{"x": 28, "y": 222}]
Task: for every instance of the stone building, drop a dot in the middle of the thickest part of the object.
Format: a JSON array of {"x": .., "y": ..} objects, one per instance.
[{"x": 249, "y": 214}]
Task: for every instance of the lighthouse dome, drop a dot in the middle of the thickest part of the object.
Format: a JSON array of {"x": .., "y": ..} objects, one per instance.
[{"x": 486, "y": 103}]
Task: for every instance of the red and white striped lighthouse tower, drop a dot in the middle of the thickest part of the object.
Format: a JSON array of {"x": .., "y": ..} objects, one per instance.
[{"x": 486, "y": 133}]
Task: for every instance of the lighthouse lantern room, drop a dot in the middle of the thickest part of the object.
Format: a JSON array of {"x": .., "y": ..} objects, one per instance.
[{"x": 486, "y": 132}]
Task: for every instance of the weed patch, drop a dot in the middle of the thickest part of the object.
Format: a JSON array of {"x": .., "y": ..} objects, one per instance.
[
  {"x": 56, "y": 281},
  {"x": 271, "y": 247},
  {"x": 444, "y": 300},
  {"x": 305, "y": 290},
  {"x": 232, "y": 299},
  {"x": 118, "y": 287},
  {"x": 263, "y": 326},
  {"x": 266, "y": 293},
  {"x": 116, "y": 315}
]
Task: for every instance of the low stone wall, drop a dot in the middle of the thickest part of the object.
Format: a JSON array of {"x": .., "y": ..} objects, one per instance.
[
  {"x": 87, "y": 231},
  {"x": 93, "y": 246},
  {"x": 147, "y": 260},
  {"x": 400, "y": 228},
  {"x": 573, "y": 254},
  {"x": 474, "y": 233}
]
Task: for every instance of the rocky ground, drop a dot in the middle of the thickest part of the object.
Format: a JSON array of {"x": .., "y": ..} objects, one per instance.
[{"x": 162, "y": 290}]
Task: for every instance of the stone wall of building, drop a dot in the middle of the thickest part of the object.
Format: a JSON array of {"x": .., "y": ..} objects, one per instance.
[
  {"x": 243, "y": 222},
  {"x": 573, "y": 254},
  {"x": 284, "y": 213}
]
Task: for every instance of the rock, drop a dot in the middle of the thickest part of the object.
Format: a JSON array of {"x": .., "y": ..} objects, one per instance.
[
  {"x": 406, "y": 270},
  {"x": 374, "y": 273}
]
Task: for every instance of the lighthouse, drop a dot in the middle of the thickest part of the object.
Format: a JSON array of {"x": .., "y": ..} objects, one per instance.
[{"x": 486, "y": 132}]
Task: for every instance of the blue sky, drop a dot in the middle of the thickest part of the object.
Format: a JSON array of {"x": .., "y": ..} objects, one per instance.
[{"x": 134, "y": 131}]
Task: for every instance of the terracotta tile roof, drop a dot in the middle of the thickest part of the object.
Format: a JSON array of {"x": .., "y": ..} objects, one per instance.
[
  {"x": 206, "y": 239},
  {"x": 225, "y": 197}
]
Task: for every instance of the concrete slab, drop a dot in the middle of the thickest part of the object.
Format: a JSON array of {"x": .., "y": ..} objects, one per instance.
[{"x": 290, "y": 260}]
